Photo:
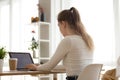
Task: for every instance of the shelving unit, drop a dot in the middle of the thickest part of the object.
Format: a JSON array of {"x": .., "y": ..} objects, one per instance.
[
  {"x": 43, "y": 30},
  {"x": 44, "y": 41},
  {"x": 43, "y": 37}
]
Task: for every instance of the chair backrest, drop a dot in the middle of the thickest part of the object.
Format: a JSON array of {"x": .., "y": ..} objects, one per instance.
[{"x": 91, "y": 72}]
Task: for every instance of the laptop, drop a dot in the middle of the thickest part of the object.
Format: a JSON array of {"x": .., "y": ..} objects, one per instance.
[{"x": 24, "y": 58}]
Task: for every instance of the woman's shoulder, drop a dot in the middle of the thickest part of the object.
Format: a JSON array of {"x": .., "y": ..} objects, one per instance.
[
  {"x": 72, "y": 37},
  {"x": 66, "y": 40}
]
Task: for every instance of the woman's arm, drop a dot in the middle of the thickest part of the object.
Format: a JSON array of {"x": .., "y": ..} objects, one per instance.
[
  {"x": 61, "y": 51},
  {"x": 61, "y": 67}
]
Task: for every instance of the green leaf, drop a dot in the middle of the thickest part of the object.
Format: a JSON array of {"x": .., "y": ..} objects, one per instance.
[{"x": 2, "y": 52}]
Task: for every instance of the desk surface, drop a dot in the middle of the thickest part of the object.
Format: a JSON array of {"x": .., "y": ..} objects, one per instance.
[{"x": 54, "y": 71}]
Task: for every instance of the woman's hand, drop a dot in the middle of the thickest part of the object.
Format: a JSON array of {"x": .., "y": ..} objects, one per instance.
[{"x": 31, "y": 66}]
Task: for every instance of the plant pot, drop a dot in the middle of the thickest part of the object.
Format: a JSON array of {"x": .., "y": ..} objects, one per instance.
[
  {"x": 34, "y": 54},
  {"x": 1, "y": 65}
]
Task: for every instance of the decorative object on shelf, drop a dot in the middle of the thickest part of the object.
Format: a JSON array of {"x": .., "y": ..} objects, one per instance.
[
  {"x": 34, "y": 19},
  {"x": 41, "y": 62},
  {"x": 34, "y": 45},
  {"x": 3, "y": 53},
  {"x": 41, "y": 13}
]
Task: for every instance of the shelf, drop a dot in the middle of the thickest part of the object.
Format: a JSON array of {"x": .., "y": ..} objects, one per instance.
[
  {"x": 38, "y": 23},
  {"x": 42, "y": 61},
  {"x": 44, "y": 76},
  {"x": 44, "y": 23},
  {"x": 44, "y": 58},
  {"x": 43, "y": 40}
]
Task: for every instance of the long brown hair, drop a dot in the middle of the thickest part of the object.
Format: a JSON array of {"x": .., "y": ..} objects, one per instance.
[{"x": 73, "y": 18}]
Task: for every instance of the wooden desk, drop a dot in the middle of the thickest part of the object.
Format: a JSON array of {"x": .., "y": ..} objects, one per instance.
[{"x": 54, "y": 72}]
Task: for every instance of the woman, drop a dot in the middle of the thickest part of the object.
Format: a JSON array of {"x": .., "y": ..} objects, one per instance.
[{"x": 76, "y": 49}]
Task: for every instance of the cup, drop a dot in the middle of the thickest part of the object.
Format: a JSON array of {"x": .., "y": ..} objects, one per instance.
[{"x": 12, "y": 63}]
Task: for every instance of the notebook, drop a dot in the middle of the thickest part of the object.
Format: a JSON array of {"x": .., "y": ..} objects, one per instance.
[{"x": 24, "y": 58}]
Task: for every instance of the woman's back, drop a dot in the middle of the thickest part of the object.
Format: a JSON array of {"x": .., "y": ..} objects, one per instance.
[{"x": 78, "y": 56}]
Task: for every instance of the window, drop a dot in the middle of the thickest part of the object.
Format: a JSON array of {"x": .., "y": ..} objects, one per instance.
[
  {"x": 15, "y": 17},
  {"x": 4, "y": 21},
  {"x": 98, "y": 18}
]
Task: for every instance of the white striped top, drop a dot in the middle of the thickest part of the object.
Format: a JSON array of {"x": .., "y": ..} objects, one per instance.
[{"x": 74, "y": 53}]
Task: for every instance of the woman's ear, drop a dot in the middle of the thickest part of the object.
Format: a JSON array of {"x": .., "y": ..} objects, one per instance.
[{"x": 64, "y": 24}]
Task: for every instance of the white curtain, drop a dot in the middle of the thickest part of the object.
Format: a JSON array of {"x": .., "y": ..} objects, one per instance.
[
  {"x": 4, "y": 23},
  {"x": 116, "y": 7},
  {"x": 15, "y": 19},
  {"x": 101, "y": 19}
]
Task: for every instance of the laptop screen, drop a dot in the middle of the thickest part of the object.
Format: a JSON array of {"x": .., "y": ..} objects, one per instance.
[{"x": 24, "y": 58}]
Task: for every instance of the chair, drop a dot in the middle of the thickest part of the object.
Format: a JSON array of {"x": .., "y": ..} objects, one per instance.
[{"x": 91, "y": 72}]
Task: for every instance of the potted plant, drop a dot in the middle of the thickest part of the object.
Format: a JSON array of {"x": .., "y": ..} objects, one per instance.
[
  {"x": 33, "y": 45},
  {"x": 3, "y": 53}
]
